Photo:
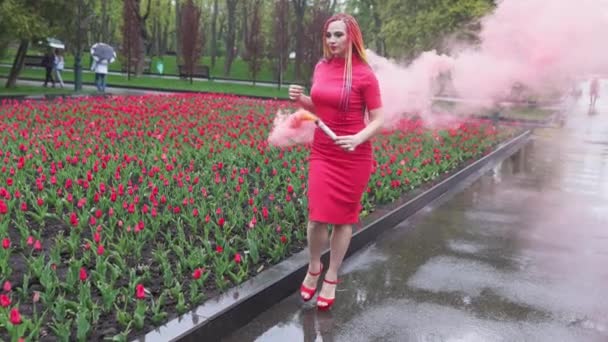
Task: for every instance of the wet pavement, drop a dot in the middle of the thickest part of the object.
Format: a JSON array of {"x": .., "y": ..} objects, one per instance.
[{"x": 520, "y": 254}]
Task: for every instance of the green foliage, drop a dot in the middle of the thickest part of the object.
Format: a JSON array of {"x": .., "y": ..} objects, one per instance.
[
  {"x": 18, "y": 19},
  {"x": 413, "y": 26}
]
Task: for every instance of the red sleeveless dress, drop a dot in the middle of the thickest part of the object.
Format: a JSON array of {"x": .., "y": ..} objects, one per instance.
[{"x": 337, "y": 178}]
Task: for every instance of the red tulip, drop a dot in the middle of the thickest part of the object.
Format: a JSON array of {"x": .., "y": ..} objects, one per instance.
[
  {"x": 74, "y": 219},
  {"x": 3, "y": 208},
  {"x": 6, "y": 243},
  {"x": 7, "y": 286},
  {"x": 197, "y": 273},
  {"x": 140, "y": 292},
  {"x": 83, "y": 274},
  {"x": 5, "y": 301},
  {"x": 15, "y": 316}
]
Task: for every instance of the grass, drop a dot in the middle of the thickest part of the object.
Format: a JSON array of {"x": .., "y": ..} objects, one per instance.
[
  {"x": 239, "y": 69},
  {"x": 516, "y": 113},
  {"x": 160, "y": 83},
  {"x": 33, "y": 90}
]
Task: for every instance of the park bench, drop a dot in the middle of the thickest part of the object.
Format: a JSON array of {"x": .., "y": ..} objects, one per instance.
[
  {"x": 200, "y": 71},
  {"x": 147, "y": 63},
  {"x": 33, "y": 60}
]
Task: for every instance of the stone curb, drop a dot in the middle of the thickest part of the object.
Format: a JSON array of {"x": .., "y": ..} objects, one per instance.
[{"x": 233, "y": 309}]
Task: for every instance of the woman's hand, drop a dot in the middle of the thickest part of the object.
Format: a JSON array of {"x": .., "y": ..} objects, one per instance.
[
  {"x": 295, "y": 91},
  {"x": 349, "y": 142}
]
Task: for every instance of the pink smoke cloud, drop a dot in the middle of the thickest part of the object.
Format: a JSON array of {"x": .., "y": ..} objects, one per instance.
[
  {"x": 288, "y": 130},
  {"x": 543, "y": 45}
]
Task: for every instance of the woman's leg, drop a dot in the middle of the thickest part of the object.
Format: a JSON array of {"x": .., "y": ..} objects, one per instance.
[
  {"x": 103, "y": 82},
  {"x": 340, "y": 240},
  {"x": 58, "y": 74},
  {"x": 48, "y": 77},
  {"x": 97, "y": 84},
  {"x": 317, "y": 239}
]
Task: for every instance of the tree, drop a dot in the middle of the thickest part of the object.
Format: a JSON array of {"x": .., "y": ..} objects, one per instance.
[
  {"x": 192, "y": 41},
  {"x": 411, "y": 26},
  {"x": 131, "y": 33},
  {"x": 29, "y": 20},
  {"x": 254, "y": 42},
  {"x": 370, "y": 21},
  {"x": 214, "y": 33},
  {"x": 230, "y": 37},
  {"x": 137, "y": 25},
  {"x": 313, "y": 44},
  {"x": 299, "y": 8},
  {"x": 281, "y": 35}
]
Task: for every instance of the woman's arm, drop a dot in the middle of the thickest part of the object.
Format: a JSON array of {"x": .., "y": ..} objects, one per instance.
[
  {"x": 306, "y": 103},
  {"x": 350, "y": 142},
  {"x": 374, "y": 126},
  {"x": 373, "y": 100},
  {"x": 296, "y": 93}
]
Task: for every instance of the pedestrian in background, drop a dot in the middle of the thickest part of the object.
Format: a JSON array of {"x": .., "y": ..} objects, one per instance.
[
  {"x": 101, "y": 70},
  {"x": 58, "y": 66}
]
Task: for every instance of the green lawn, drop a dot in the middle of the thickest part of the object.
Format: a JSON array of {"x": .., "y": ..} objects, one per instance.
[
  {"x": 518, "y": 113},
  {"x": 160, "y": 83},
  {"x": 38, "y": 90},
  {"x": 239, "y": 70}
]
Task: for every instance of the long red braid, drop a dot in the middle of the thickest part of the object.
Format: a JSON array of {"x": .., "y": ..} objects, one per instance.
[{"x": 355, "y": 39}]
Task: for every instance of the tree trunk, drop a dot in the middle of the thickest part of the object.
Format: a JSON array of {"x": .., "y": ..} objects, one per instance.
[
  {"x": 378, "y": 29},
  {"x": 105, "y": 20},
  {"x": 299, "y": 7},
  {"x": 145, "y": 39},
  {"x": 214, "y": 33},
  {"x": 164, "y": 44},
  {"x": 245, "y": 29},
  {"x": 155, "y": 37},
  {"x": 230, "y": 35},
  {"x": 178, "y": 36},
  {"x": 11, "y": 82}
]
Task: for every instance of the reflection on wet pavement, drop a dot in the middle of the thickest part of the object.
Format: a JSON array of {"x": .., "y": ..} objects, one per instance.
[{"x": 521, "y": 254}]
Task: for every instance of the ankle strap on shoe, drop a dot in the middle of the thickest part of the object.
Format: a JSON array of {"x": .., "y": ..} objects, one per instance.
[{"x": 317, "y": 273}]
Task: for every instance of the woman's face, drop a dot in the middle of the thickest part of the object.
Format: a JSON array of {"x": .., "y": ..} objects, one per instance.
[{"x": 336, "y": 38}]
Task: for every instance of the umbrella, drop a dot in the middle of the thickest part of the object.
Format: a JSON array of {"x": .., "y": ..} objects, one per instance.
[
  {"x": 55, "y": 43},
  {"x": 101, "y": 51},
  {"x": 51, "y": 42}
]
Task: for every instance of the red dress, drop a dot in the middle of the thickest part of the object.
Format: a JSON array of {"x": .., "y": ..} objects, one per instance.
[{"x": 337, "y": 178}]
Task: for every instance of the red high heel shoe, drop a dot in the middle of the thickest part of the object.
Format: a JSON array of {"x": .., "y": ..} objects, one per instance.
[
  {"x": 328, "y": 302},
  {"x": 310, "y": 291}
]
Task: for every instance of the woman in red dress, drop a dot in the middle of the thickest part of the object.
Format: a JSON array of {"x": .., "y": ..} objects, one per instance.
[{"x": 344, "y": 91}]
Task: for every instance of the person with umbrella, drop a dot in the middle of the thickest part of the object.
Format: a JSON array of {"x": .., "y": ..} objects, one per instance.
[
  {"x": 100, "y": 67},
  {"x": 48, "y": 62},
  {"x": 103, "y": 55}
]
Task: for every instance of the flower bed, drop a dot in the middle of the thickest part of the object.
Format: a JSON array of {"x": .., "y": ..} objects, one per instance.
[{"x": 119, "y": 214}]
